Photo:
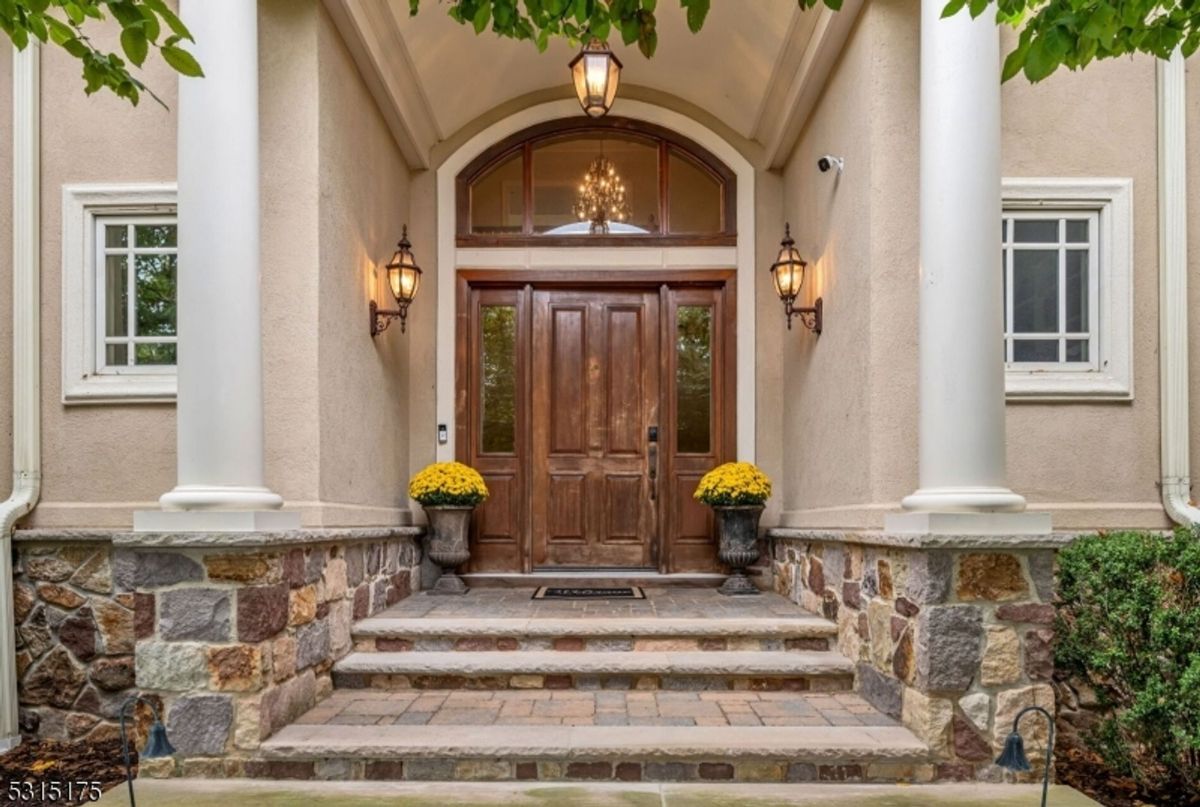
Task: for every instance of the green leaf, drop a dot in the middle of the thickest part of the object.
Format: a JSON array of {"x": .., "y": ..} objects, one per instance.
[
  {"x": 59, "y": 32},
  {"x": 697, "y": 13},
  {"x": 133, "y": 42},
  {"x": 1015, "y": 61},
  {"x": 648, "y": 43},
  {"x": 182, "y": 61},
  {"x": 173, "y": 22},
  {"x": 482, "y": 15},
  {"x": 1039, "y": 61},
  {"x": 953, "y": 7}
]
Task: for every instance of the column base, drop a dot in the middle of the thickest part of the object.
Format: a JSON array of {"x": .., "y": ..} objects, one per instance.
[
  {"x": 220, "y": 497},
  {"x": 967, "y": 523},
  {"x": 964, "y": 500},
  {"x": 9, "y": 743},
  {"x": 215, "y": 521}
]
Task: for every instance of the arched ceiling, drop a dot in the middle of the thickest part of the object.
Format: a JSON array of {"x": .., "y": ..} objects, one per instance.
[
  {"x": 725, "y": 69},
  {"x": 757, "y": 66}
]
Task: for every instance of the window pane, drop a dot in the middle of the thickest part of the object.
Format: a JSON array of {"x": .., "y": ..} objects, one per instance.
[
  {"x": 693, "y": 379},
  {"x": 116, "y": 296},
  {"x": 155, "y": 354},
  {"x": 1004, "y": 288},
  {"x": 559, "y": 167},
  {"x": 1035, "y": 231},
  {"x": 116, "y": 355},
  {"x": 1035, "y": 350},
  {"x": 1077, "y": 290},
  {"x": 1035, "y": 291},
  {"x": 694, "y": 197},
  {"x": 116, "y": 235},
  {"x": 498, "y": 332},
  {"x": 1077, "y": 350},
  {"x": 498, "y": 199},
  {"x": 154, "y": 235},
  {"x": 1077, "y": 231},
  {"x": 155, "y": 295}
]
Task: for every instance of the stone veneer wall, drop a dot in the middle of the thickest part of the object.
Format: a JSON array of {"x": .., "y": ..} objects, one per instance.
[
  {"x": 232, "y": 635},
  {"x": 951, "y": 636}
]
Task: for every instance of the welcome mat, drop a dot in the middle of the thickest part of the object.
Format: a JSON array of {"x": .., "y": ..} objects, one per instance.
[{"x": 589, "y": 593}]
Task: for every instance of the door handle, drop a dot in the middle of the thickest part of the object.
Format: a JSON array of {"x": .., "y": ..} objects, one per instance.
[{"x": 652, "y": 459}]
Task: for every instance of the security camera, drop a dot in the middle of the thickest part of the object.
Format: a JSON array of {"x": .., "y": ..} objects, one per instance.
[{"x": 829, "y": 161}]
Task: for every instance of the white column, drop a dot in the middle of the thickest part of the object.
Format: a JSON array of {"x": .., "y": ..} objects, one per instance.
[
  {"x": 220, "y": 399},
  {"x": 961, "y": 428}
]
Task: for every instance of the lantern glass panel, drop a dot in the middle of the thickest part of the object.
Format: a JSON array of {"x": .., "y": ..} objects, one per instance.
[{"x": 405, "y": 280}]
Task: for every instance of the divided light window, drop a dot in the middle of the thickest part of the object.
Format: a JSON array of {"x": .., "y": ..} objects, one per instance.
[
  {"x": 135, "y": 294},
  {"x": 1051, "y": 290},
  {"x": 524, "y": 190}
]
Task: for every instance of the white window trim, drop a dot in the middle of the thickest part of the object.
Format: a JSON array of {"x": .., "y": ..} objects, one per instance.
[
  {"x": 1112, "y": 198},
  {"x": 82, "y": 204}
]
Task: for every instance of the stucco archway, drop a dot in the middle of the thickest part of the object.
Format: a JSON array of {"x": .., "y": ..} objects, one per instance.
[{"x": 741, "y": 255}]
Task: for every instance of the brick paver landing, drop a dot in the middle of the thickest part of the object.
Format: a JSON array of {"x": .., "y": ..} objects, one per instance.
[
  {"x": 665, "y": 603},
  {"x": 603, "y": 708}
]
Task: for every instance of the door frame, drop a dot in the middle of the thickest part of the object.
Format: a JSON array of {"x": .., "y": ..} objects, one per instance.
[{"x": 526, "y": 281}]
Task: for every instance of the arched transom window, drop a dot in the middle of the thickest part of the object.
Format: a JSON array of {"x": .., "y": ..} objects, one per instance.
[{"x": 603, "y": 182}]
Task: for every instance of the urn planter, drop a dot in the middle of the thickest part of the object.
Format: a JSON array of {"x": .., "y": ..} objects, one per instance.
[
  {"x": 737, "y": 547},
  {"x": 446, "y": 545}
]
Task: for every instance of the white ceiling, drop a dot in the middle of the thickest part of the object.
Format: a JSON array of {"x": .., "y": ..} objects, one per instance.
[{"x": 728, "y": 69}]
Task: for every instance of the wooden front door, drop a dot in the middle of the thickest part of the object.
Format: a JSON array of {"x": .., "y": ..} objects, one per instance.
[
  {"x": 592, "y": 410},
  {"x": 595, "y": 398}
]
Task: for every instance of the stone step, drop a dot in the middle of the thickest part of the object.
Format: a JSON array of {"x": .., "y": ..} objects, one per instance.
[
  {"x": 595, "y": 753},
  {"x": 548, "y": 669},
  {"x": 397, "y": 634}
]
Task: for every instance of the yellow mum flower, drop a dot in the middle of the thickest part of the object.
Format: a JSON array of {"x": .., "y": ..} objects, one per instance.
[
  {"x": 448, "y": 484},
  {"x": 734, "y": 483}
]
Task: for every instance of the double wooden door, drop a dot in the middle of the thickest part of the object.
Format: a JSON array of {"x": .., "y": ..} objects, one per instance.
[{"x": 592, "y": 411}]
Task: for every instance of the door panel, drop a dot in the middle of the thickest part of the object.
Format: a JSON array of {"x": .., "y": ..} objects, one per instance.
[
  {"x": 597, "y": 353},
  {"x": 491, "y": 431},
  {"x": 698, "y": 433},
  {"x": 558, "y": 386}
]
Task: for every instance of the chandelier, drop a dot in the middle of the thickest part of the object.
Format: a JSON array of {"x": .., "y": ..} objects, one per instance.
[{"x": 601, "y": 196}]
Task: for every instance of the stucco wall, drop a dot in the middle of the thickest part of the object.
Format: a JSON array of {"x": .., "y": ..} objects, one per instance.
[
  {"x": 334, "y": 195},
  {"x": 99, "y": 462},
  {"x": 827, "y": 410},
  {"x": 1103, "y": 458},
  {"x": 364, "y": 201},
  {"x": 289, "y": 123},
  {"x": 853, "y": 396},
  {"x": 348, "y": 417}
]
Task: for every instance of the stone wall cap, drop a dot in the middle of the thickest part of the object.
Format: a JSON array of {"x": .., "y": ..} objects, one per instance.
[
  {"x": 1054, "y": 540},
  {"x": 202, "y": 540}
]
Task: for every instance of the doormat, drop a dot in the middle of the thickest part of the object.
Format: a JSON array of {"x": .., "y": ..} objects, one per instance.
[{"x": 589, "y": 593}]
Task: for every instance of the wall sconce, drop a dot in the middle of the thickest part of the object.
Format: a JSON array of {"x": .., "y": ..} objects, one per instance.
[
  {"x": 404, "y": 280},
  {"x": 788, "y": 274}
]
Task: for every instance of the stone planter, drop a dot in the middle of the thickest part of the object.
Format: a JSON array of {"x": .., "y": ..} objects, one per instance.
[
  {"x": 446, "y": 545},
  {"x": 737, "y": 534}
]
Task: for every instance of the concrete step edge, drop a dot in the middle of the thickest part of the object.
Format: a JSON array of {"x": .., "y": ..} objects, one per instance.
[
  {"x": 795, "y": 743},
  {"x": 543, "y": 662},
  {"x": 406, "y": 627}
]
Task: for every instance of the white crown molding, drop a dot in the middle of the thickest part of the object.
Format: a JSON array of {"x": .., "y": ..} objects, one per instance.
[
  {"x": 790, "y": 99},
  {"x": 370, "y": 30}
]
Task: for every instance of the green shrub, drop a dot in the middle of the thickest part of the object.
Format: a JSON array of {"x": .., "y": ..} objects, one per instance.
[{"x": 1129, "y": 626}]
